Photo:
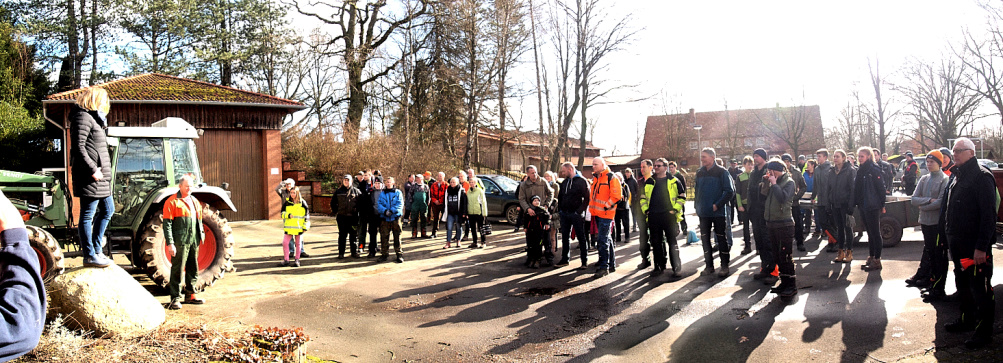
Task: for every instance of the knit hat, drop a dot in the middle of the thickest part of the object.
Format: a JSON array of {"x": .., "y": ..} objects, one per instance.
[
  {"x": 761, "y": 152},
  {"x": 936, "y": 156},
  {"x": 428, "y": 175},
  {"x": 908, "y": 153},
  {"x": 535, "y": 197},
  {"x": 776, "y": 165},
  {"x": 378, "y": 179},
  {"x": 349, "y": 177},
  {"x": 290, "y": 182},
  {"x": 947, "y": 153},
  {"x": 786, "y": 157}
]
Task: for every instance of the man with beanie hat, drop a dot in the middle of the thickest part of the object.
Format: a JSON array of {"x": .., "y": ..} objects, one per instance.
[
  {"x": 795, "y": 174},
  {"x": 948, "y": 160},
  {"x": 779, "y": 190},
  {"x": 343, "y": 206},
  {"x": 756, "y": 208},
  {"x": 910, "y": 173},
  {"x": 887, "y": 171}
]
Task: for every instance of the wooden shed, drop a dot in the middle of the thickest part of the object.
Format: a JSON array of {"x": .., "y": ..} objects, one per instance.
[{"x": 241, "y": 143}]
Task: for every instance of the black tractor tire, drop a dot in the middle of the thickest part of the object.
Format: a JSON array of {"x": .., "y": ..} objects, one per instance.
[
  {"x": 157, "y": 264},
  {"x": 891, "y": 231},
  {"x": 512, "y": 213},
  {"x": 50, "y": 256}
]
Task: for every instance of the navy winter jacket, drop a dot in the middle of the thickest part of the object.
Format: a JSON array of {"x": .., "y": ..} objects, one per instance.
[
  {"x": 713, "y": 187},
  {"x": 22, "y": 295}
]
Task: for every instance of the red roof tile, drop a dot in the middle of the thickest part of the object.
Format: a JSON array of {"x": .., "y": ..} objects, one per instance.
[{"x": 161, "y": 87}]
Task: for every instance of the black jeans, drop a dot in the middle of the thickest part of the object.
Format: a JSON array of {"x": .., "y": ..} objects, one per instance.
[
  {"x": 975, "y": 290},
  {"x": 798, "y": 224},
  {"x": 933, "y": 264},
  {"x": 662, "y": 232},
  {"x": 806, "y": 214},
  {"x": 719, "y": 224},
  {"x": 621, "y": 223},
  {"x": 743, "y": 218},
  {"x": 781, "y": 239},
  {"x": 476, "y": 223},
  {"x": 642, "y": 233},
  {"x": 843, "y": 234},
  {"x": 872, "y": 219},
  {"x": 535, "y": 240},
  {"x": 347, "y": 233},
  {"x": 371, "y": 225},
  {"x": 766, "y": 256},
  {"x": 576, "y": 221}
]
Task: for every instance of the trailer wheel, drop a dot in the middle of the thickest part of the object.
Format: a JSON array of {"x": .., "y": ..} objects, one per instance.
[
  {"x": 50, "y": 256},
  {"x": 891, "y": 231},
  {"x": 215, "y": 253}
]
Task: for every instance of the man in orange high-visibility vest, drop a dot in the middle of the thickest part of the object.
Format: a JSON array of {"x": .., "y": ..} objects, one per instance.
[
  {"x": 183, "y": 232},
  {"x": 606, "y": 191}
]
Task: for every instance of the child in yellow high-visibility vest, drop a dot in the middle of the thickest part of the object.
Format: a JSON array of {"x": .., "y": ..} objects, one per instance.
[{"x": 295, "y": 221}]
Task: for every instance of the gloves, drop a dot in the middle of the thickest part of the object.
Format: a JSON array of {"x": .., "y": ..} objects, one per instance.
[
  {"x": 388, "y": 213},
  {"x": 306, "y": 227}
]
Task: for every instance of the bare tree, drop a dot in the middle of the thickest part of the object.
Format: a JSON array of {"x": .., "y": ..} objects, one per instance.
[
  {"x": 585, "y": 34},
  {"x": 790, "y": 125},
  {"x": 941, "y": 103},
  {"x": 362, "y": 30},
  {"x": 849, "y": 131},
  {"x": 982, "y": 57},
  {"x": 879, "y": 113},
  {"x": 510, "y": 38}
]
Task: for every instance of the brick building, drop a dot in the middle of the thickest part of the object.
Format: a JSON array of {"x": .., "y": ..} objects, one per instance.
[{"x": 733, "y": 133}]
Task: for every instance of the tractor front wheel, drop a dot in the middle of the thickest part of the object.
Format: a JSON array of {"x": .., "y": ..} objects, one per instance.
[
  {"x": 50, "y": 256},
  {"x": 214, "y": 255}
]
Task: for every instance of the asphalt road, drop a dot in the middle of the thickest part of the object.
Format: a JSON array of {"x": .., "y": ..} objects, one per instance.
[{"x": 474, "y": 305}]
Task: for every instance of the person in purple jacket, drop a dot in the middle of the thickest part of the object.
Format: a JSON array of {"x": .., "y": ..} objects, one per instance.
[{"x": 22, "y": 293}]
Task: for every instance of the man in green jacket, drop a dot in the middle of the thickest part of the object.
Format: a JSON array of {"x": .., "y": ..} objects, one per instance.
[
  {"x": 183, "y": 232},
  {"x": 662, "y": 206}
]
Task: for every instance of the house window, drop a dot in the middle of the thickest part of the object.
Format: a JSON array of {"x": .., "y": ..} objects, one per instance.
[
  {"x": 705, "y": 144},
  {"x": 760, "y": 141},
  {"x": 717, "y": 144},
  {"x": 749, "y": 141},
  {"x": 693, "y": 145}
]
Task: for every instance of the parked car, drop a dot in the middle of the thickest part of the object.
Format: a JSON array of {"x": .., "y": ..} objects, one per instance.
[
  {"x": 502, "y": 200},
  {"x": 988, "y": 163}
]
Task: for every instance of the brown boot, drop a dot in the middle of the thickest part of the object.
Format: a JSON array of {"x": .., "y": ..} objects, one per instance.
[
  {"x": 840, "y": 256},
  {"x": 423, "y": 234},
  {"x": 874, "y": 265},
  {"x": 870, "y": 260},
  {"x": 848, "y": 257},
  {"x": 414, "y": 233}
]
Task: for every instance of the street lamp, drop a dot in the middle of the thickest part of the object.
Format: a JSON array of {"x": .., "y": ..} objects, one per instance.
[{"x": 699, "y": 144}]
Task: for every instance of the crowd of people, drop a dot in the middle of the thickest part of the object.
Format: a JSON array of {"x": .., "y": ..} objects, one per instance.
[{"x": 778, "y": 202}]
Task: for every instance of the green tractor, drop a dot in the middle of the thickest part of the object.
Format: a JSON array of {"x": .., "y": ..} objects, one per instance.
[{"x": 147, "y": 163}]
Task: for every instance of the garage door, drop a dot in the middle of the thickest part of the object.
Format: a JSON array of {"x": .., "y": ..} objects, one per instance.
[{"x": 234, "y": 156}]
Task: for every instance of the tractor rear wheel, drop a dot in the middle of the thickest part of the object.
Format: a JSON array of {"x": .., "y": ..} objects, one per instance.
[
  {"x": 214, "y": 257},
  {"x": 50, "y": 256}
]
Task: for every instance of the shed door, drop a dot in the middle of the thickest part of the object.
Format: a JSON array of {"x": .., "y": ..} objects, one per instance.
[{"x": 234, "y": 156}]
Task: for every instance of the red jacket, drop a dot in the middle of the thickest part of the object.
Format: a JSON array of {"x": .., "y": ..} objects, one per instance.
[{"x": 437, "y": 193}]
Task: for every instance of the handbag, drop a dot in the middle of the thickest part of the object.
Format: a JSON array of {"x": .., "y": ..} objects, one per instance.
[{"x": 486, "y": 229}]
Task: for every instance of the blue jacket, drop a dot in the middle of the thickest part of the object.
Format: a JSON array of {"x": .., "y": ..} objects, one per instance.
[
  {"x": 713, "y": 187},
  {"x": 810, "y": 180},
  {"x": 22, "y": 295},
  {"x": 390, "y": 200}
]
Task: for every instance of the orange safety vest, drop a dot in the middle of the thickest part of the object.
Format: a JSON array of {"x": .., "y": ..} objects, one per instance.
[{"x": 606, "y": 191}]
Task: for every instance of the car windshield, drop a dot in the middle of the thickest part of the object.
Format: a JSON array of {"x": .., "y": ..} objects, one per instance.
[
  {"x": 988, "y": 163},
  {"x": 506, "y": 183}
]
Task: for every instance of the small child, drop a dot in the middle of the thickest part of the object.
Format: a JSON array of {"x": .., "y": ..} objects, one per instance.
[
  {"x": 295, "y": 221},
  {"x": 537, "y": 233}
]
